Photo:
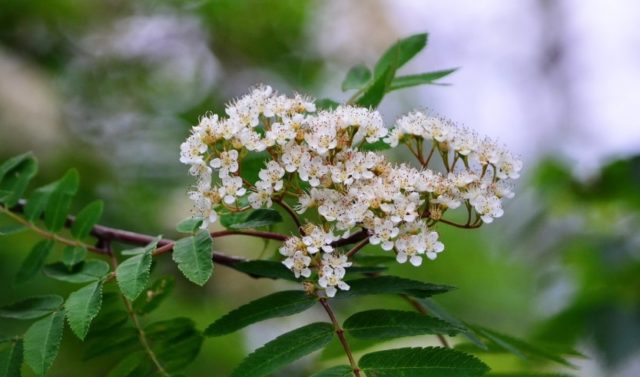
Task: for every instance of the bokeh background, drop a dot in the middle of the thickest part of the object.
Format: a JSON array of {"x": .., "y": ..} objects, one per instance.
[{"x": 112, "y": 87}]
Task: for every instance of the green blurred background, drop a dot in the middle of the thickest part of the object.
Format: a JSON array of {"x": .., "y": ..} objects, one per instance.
[{"x": 112, "y": 88}]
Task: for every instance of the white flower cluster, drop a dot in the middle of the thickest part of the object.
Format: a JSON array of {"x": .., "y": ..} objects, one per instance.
[{"x": 319, "y": 158}]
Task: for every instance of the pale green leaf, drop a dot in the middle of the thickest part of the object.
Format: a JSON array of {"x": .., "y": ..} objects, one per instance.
[
  {"x": 357, "y": 77},
  {"x": 32, "y": 307},
  {"x": 15, "y": 175},
  {"x": 87, "y": 271},
  {"x": 193, "y": 256},
  {"x": 385, "y": 324},
  {"x": 400, "y": 53},
  {"x": 86, "y": 219},
  {"x": 59, "y": 203},
  {"x": 254, "y": 219},
  {"x": 72, "y": 255},
  {"x": 427, "y": 78},
  {"x": 34, "y": 261},
  {"x": 133, "y": 274},
  {"x": 278, "y": 304},
  {"x": 374, "y": 94},
  {"x": 82, "y": 307},
  {"x": 189, "y": 225},
  {"x": 285, "y": 349},
  {"x": 42, "y": 342},
  {"x": 422, "y": 362}
]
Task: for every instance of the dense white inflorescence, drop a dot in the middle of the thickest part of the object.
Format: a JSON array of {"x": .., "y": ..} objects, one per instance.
[{"x": 319, "y": 158}]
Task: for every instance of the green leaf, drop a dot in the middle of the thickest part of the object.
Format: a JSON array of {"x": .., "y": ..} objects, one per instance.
[
  {"x": 519, "y": 347},
  {"x": 400, "y": 53},
  {"x": 82, "y": 307},
  {"x": 87, "y": 271},
  {"x": 254, "y": 219},
  {"x": 419, "y": 362},
  {"x": 377, "y": 146},
  {"x": 193, "y": 256},
  {"x": 190, "y": 225},
  {"x": 33, "y": 263},
  {"x": 133, "y": 274},
  {"x": 86, "y": 219},
  {"x": 176, "y": 342},
  {"x": 72, "y": 255},
  {"x": 278, "y": 304},
  {"x": 265, "y": 268},
  {"x": 285, "y": 349},
  {"x": 12, "y": 229},
  {"x": 15, "y": 175},
  {"x": 122, "y": 341},
  {"x": 392, "y": 285},
  {"x": 252, "y": 164},
  {"x": 38, "y": 202},
  {"x": 525, "y": 374},
  {"x": 438, "y": 311},
  {"x": 326, "y": 104},
  {"x": 59, "y": 203},
  {"x": 127, "y": 365},
  {"x": 337, "y": 371},
  {"x": 158, "y": 291},
  {"x": 11, "y": 359},
  {"x": 32, "y": 307},
  {"x": 386, "y": 324},
  {"x": 42, "y": 342},
  {"x": 419, "y": 79},
  {"x": 356, "y": 78},
  {"x": 374, "y": 94}
]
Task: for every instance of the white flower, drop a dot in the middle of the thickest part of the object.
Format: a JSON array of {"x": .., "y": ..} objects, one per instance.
[
  {"x": 294, "y": 156},
  {"x": 272, "y": 175},
  {"x": 231, "y": 189},
  {"x": 384, "y": 232},
  {"x": 262, "y": 196},
  {"x": 227, "y": 162},
  {"x": 299, "y": 264},
  {"x": 488, "y": 208},
  {"x": 312, "y": 171},
  {"x": 433, "y": 246},
  {"x": 335, "y": 264},
  {"x": 410, "y": 247},
  {"x": 329, "y": 281},
  {"x": 317, "y": 239}
]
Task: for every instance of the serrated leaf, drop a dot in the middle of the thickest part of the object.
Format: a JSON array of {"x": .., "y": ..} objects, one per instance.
[
  {"x": 86, "y": 219},
  {"x": 33, "y": 263},
  {"x": 419, "y": 79},
  {"x": 82, "y": 306},
  {"x": 193, "y": 256},
  {"x": 374, "y": 94},
  {"x": 386, "y": 324},
  {"x": 176, "y": 342},
  {"x": 400, "y": 53},
  {"x": 356, "y": 78},
  {"x": 11, "y": 359},
  {"x": 438, "y": 311},
  {"x": 285, "y": 349},
  {"x": 72, "y": 255},
  {"x": 278, "y": 304},
  {"x": 153, "y": 296},
  {"x": 59, "y": 203},
  {"x": 190, "y": 225},
  {"x": 337, "y": 371},
  {"x": 12, "y": 229},
  {"x": 15, "y": 175},
  {"x": 87, "y": 271},
  {"x": 421, "y": 362},
  {"x": 42, "y": 342},
  {"x": 126, "y": 366},
  {"x": 519, "y": 347},
  {"x": 254, "y": 219},
  {"x": 392, "y": 285},
  {"x": 133, "y": 274},
  {"x": 32, "y": 307},
  {"x": 265, "y": 268}
]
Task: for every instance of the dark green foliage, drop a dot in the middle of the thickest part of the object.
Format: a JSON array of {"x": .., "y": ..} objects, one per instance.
[
  {"x": 383, "y": 324},
  {"x": 34, "y": 261},
  {"x": 285, "y": 349},
  {"x": 33, "y": 307},
  {"x": 42, "y": 342},
  {"x": 253, "y": 219},
  {"x": 274, "y": 305},
  {"x": 193, "y": 256},
  {"x": 87, "y": 271},
  {"x": 392, "y": 285}
]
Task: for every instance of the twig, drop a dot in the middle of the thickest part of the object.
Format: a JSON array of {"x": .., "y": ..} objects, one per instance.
[
  {"x": 340, "y": 332},
  {"x": 357, "y": 247},
  {"x": 291, "y": 212}
]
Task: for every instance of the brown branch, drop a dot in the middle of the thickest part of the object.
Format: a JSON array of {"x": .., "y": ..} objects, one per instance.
[{"x": 340, "y": 332}]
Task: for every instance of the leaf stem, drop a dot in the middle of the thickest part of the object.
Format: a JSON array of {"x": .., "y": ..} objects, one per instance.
[
  {"x": 357, "y": 247},
  {"x": 340, "y": 332},
  {"x": 136, "y": 322},
  {"x": 291, "y": 212}
]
